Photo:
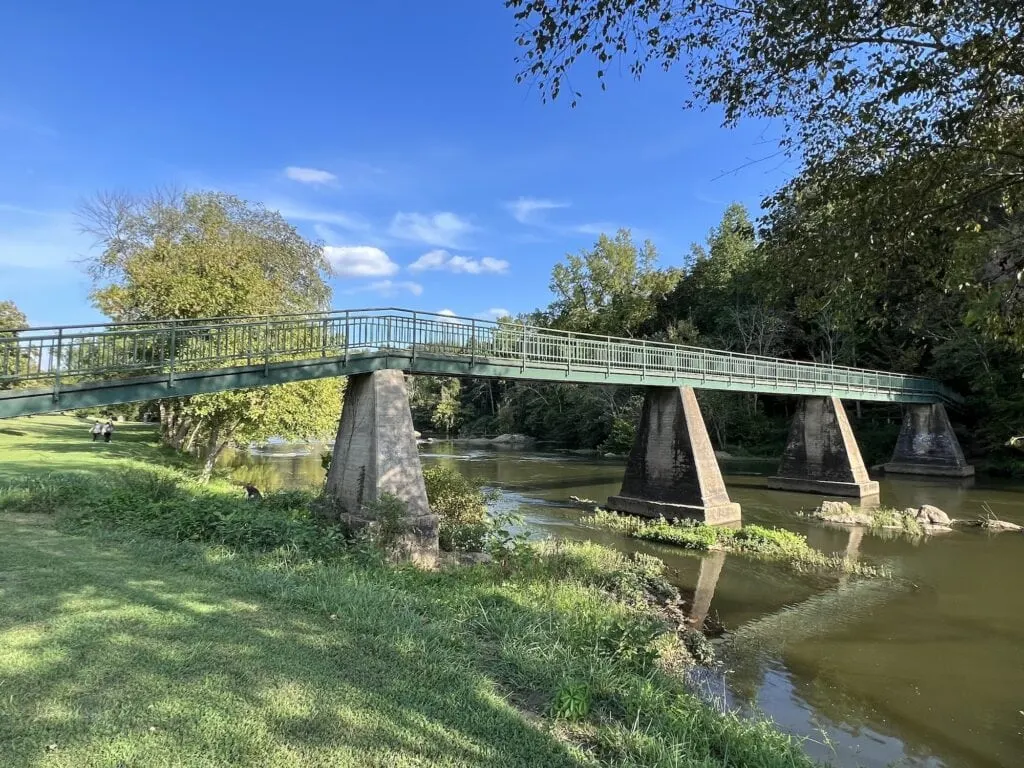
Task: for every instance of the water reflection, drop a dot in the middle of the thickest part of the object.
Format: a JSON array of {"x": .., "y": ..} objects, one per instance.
[{"x": 924, "y": 669}]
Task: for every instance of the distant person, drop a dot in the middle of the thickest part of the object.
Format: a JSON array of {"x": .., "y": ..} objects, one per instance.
[
  {"x": 97, "y": 430},
  {"x": 108, "y": 431}
]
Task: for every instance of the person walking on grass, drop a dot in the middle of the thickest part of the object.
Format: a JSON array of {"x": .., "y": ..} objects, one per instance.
[
  {"x": 97, "y": 430},
  {"x": 108, "y": 431}
]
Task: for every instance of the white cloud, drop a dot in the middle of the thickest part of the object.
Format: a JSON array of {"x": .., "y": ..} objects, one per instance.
[
  {"x": 446, "y": 313},
  {"x": 494, "y": 314},
  {"x": 444, "y": 229},
  {"x": 525, "y": 210},
  {"x": 309, "y": 175},
  {"x": 389, "y": 287},
  {"x": 359, "y": 261},
  {"x": 440, "y": 259}
]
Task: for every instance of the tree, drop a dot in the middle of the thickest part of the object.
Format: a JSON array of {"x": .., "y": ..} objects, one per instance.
[
  {"x": 906, "y": 116},
  {"x": 203, "y": 254},
  {"x": 446, "y": 412},
  {"x": 611, "y": 289},
  {"x": 886, "y": 76},
  {"x": 11, "y": 319}
]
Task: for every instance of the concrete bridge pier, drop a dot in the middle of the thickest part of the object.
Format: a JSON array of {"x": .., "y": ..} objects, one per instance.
[
  {"x": 927, "y": 444},
  {"x": 375, "y": 453},
  {"x": 822, "y": 455},
  {"x": 672, "y": 471}
]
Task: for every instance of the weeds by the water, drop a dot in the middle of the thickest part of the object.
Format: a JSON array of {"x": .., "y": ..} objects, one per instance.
[{"x": 755, "y": 540}]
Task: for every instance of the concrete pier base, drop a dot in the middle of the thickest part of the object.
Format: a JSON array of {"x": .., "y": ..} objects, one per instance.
[
  {"x": 927, "y": 445},
  {"x": 375, "y": 453},
  {"x": 822, "y": 455},
  {"x": 672, "y": 471}
]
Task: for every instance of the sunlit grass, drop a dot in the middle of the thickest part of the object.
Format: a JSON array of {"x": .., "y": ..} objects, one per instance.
[{"x": 121, "y": 646}]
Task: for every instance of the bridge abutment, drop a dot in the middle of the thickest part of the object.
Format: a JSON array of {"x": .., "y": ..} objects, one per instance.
[
  {"x": 927, "y": 444},
  {"x": 672, "y": 471},
  {"x": 822, "y": 455},
  {"x": 375, "y": 453}
]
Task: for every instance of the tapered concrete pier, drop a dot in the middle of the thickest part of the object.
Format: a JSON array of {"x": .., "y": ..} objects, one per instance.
[
  {"x": 822, "y": 455},
  {"x": 927, "y": 444},
  {"x": 672, "y": 471},
  {"x": 375, "y": 453}
]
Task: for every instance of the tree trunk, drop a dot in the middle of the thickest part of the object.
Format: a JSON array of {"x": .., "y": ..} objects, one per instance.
[
  {"x": 214, "y": 446},
  {"x": 191, "y": 439}
]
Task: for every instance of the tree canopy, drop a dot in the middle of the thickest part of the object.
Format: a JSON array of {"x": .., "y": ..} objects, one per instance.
[{"x": 205, "y": 254}]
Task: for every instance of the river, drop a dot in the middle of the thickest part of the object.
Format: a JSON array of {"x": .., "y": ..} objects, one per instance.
[{"x": 924, "y": 670}]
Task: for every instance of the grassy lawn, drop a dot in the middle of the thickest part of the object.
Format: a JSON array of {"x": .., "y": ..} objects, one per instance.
[
  {"x": 121, "y": 649},
  {"x": 38, "y": 445}
]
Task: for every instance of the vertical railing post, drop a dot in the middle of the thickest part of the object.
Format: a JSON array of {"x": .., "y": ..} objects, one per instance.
[
  {"x": 568, "y": 353},
  {"x": 472, "y": 343},
  {"x": 323, "y": 337},
  {"x": 643, "y": 358},
  {"x": 266, "y": 348},
  {"x": 172, "y": 354},
  {"x": 414, "y": 330},
  {"x": 524, "y": 345},
  {"x": 56, "y": 371},
  {"x": 608, "y": 356},
  {"x": 348, "y": 338}
]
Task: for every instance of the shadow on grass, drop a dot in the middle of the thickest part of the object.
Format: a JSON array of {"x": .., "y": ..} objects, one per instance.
[{"x": 121, "y": 654}]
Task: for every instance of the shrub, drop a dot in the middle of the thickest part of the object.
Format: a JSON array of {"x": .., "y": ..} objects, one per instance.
[{"x": 461, "y": 504}]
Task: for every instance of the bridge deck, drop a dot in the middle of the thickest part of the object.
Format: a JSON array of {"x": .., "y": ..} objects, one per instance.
[{"x": 58, "y": 368}]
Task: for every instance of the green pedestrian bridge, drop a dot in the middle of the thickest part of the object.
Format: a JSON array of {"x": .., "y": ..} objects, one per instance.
[
  {"x": 671, "y": 471},
  {"x": 69, "y": 367}
]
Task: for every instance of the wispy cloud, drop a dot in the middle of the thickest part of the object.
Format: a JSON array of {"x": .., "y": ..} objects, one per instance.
[
  {"x": 352, "y": 222},
  {"x": 596, "y": 228},
  {"x": 529, "y": 210},
  {"x": 359, "y": 261},
  {"x": 309, "y": 175},
  {"x": 442, "y": 260},
  {"x": 389, "y": 288},
  {"x": 493, "y": 314},
  {"x": 445, "y": 229},
  {"x": 34, "y": 239}
]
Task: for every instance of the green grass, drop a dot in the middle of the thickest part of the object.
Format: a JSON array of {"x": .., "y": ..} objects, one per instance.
[
  {"x": 754, "y": 540},
  {"x": 131, "y": 638}
]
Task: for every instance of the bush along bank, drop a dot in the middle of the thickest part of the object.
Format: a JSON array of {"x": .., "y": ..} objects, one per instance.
[
  {"x": 752, "y": 540},
  {"x": 580, "y": 636}
]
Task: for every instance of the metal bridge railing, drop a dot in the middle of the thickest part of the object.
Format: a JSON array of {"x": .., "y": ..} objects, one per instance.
[{"x": 58, "y": 356}]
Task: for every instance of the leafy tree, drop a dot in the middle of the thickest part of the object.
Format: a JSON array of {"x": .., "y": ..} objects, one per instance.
[
  {"x": 446, "y": 413},
  {"x": 906, "y": 116},
  {"x": 12, "y": 318},
  {"x": 611, "y": 289},
  {"x": 200, "y": 255}
]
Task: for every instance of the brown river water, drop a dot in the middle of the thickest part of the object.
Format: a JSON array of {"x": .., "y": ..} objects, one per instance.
[{"x": 926, "y": 669}]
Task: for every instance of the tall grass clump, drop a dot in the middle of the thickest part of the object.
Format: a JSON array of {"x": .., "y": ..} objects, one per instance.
[
  {"x": 754, "y": 540},
  {"x": 168, "y": 503}
]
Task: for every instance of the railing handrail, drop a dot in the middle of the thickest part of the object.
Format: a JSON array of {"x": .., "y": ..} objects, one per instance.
[{"x": 41, "y": 334}]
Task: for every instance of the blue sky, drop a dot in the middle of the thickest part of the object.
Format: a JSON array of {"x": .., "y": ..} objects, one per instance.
[{"x": 394, "y": 132}]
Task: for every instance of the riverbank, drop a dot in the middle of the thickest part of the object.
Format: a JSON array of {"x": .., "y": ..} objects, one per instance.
[{"x": 169, "y": 637}]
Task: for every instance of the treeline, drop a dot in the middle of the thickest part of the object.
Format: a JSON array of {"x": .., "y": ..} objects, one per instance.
[{"x": 744, "y": 291}]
